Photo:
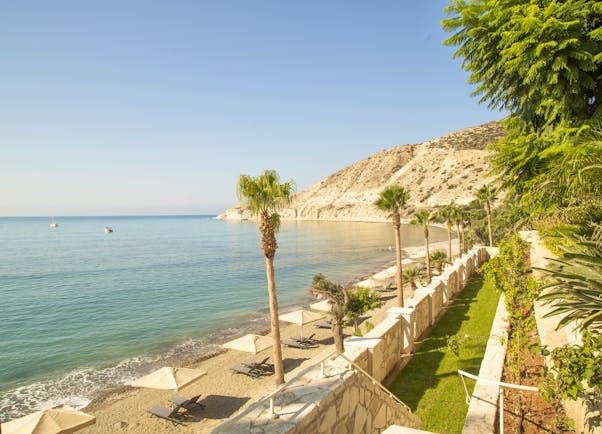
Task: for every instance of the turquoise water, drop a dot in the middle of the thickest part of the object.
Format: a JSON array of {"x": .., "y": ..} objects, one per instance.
[{"x": 83, "y": 311}]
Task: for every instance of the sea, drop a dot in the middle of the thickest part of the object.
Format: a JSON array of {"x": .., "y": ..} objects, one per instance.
[{"x": 83, "y": 311}]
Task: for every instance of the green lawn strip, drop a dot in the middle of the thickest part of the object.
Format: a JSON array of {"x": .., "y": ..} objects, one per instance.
[{"x": 429, "y": 383}]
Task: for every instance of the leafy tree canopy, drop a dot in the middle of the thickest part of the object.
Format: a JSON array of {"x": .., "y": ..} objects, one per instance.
[{"x": 540, "y": 60}]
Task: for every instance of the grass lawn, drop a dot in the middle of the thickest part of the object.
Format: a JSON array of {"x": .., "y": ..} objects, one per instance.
[{"x": 429, "y": 383}]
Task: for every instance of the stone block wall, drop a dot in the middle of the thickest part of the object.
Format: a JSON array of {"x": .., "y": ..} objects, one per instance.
[
  {"x": 422, "y": 321},
  {"x": 389, "y": 331},
  {"x": 355, "y": 406}
]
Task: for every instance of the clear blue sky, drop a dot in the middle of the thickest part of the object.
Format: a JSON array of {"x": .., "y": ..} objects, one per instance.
[{"x": 156, "y": 107}]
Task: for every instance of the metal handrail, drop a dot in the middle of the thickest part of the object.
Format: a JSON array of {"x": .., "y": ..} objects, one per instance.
[
  {"x": 376, "y": 382},
  {"x": 270, "y": 396},
  {"x": 501, "y": 385}
]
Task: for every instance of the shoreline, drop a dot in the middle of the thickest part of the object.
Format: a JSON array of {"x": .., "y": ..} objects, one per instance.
[{"x": 224, "y": 394}]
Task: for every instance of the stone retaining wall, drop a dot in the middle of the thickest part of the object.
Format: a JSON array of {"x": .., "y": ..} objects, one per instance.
[{"x": 356, "y": 406}]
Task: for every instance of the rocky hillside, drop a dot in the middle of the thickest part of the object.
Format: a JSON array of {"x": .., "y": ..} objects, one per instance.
[{"x": 450, "y": 168}]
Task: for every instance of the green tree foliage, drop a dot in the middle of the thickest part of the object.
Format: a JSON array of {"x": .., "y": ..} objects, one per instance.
[
  {"x": 361, "y": 301},
  {"x": 509, "y": 272},
  {"x": 538, "y": 59},
  {"x": 575, "y": 288},
  {"x": 339, "y": 298},
  {"x": 542, "y": 61},
  {"x": 575, "y": 369}
]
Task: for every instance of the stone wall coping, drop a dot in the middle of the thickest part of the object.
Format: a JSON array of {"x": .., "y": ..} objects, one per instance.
[
  {"x": 382, "y": 327},
  {"x": 357, "y": 341},
  {"x": 401, "y": 310},
  {"x": 354, "y": 352}
]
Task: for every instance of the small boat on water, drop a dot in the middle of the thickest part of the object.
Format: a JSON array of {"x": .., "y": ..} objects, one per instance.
[
  {"x": 108, "y": 230},
  {"x": 53, "y": 224}
]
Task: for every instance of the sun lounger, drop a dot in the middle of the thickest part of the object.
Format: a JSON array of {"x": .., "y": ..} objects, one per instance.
[
  {"x": 309, "y": 340},
  {"x": 300, "y": 345},
  {"x": 167, "y": 414},
  {"x": 262, "y": 367},
  {"x": 245, "y": 370},
  {"x": 187, "y": 403},
  {"x": 323, "y": 324}
]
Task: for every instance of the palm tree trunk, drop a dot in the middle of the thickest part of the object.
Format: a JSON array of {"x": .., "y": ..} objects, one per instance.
[
  {"x": 462, "y": 243},
  {"x": 337, "y": 333},
  {"x": 488, "y": 211},
  {"x": 278, "y": 365},
  {"x": 459, "y": 245},
  {"x": 398, "y": 278},
  {"x": 449, "y": 251},
  {"x": 428, "y": 255}
]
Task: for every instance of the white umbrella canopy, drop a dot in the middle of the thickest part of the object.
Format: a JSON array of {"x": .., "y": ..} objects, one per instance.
[
  {"x": 370, "y": 283},
  {"x": 169, "y": 378},
  {"x": 322, "y": 306},
  {"x": 301, "y": 317},
  {"x": 250, "y": 343},
  {"x": 58, "y": 420}
]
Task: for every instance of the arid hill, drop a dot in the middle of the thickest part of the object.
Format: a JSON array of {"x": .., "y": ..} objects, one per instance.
[{"x": 450, "y": 168}]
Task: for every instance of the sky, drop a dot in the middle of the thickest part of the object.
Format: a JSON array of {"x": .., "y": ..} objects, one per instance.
[{"x": 156, "y": 107}]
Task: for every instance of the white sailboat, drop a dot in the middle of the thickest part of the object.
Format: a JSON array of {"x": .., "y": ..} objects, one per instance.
[
  {"x": 108, "y": 230},
  {"x": 53, "y": 224}
]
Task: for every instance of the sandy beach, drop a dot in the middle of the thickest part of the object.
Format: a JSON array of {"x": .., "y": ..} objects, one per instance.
[{"x": 223, "y": 392}]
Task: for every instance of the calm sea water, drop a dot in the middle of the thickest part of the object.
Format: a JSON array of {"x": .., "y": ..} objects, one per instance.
[{"x": 82, "y": 311}]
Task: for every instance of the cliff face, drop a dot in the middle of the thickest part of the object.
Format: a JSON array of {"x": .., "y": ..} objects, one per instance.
[{"x": 450, "y": 168}]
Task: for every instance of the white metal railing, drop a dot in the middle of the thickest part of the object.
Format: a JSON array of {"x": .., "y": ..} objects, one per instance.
[
  {"x": 375, "y": 382},
  {"x": 271, "y": 396},
  {"x": 501, "y": 385}
]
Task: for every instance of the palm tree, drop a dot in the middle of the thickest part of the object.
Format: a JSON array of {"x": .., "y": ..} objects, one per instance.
[
  {"x": 438, "y": 258},
  {"x": 411, "y": 275},
  {"x": 447, "y": 214},
  {"x": 422, "y": 219},
  {"x": 392, "y": 199},
  {"x": 459, "y": 220},
  {"x": 487, "y": 195},
  {"x": 575, "y": 286},
  {"x": 339, "y": 301},
  {"x": 264, "y": 196}
]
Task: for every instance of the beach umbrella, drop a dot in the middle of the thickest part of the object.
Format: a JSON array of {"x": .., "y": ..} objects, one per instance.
[
  {"x": 301, "y": 317},
  {"x": 169, "y": 378},
  {"x": 58, "y": 420},
  {"x": 370, "y": 283},
  {"x": 322, "y": 306},
  {"x": 250, "y": 343}
]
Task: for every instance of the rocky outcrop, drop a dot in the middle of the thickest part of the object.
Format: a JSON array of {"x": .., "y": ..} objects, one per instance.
[{"x": 450, "y": 168}]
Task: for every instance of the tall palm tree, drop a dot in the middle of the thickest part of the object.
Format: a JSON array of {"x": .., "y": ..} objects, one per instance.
[
  {"x": 447, "y": 215},
  {"x": 459, "y": 220},
  {"x": 487, "y": 195},
  {"x": 392, "y": 199},
  {"x": 423, "y": 218},
  {"x": 264, "y": 196}
]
